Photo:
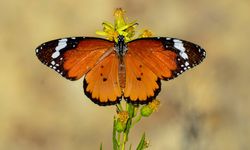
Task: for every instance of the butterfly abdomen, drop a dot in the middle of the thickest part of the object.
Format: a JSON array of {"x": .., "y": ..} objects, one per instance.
[{"x": 122, "y": 73}]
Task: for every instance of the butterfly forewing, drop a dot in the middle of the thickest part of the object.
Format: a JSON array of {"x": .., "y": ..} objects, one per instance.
[
  {"x": 167, "y": 57},
  {"x": 72, "y": 57},
  {"x": 188, "y": 54}
]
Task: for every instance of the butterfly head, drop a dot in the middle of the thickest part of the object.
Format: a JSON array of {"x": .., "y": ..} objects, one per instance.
[{"x": 121, "y": 38}]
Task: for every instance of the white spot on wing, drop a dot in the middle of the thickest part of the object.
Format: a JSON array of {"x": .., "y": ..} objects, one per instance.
[
  {"x": 53, "y": 62},
  {"x": 184, "y": 55},
  {"x": 204, "y": 53},
  {"x": 179, "y": 45},
  {"x": 61, "y": 44},
  {"x": 55, "y": 54}
]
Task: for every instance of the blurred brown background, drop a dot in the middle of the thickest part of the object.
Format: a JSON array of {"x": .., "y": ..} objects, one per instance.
[{"x": 206, "y": 108}]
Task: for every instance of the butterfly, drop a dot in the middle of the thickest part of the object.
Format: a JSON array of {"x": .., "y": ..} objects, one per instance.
[{"x": 120, "y": 70}]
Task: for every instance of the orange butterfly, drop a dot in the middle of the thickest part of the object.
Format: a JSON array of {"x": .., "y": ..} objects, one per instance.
[{"x": 116, "y": 70}]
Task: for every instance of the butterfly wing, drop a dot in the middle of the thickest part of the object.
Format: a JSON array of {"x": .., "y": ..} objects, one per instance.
[
  {"x": 73, "y": 57},
  {"x": 101, "y": 84},
  {"x": 153, "y": 59}
]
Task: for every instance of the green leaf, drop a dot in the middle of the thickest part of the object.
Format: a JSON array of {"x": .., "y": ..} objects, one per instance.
[
  {"x": 142, "y": 143},
  {"x": 101, "y": 146},
  {"x": 115, "y": 143}
]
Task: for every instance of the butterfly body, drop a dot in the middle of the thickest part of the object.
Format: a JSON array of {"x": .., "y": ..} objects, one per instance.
[
  {"x": 121, "y": 49},
  {"x": 116, "y": 70}
]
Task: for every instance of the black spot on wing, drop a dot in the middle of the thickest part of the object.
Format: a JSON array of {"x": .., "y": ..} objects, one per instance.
[{"x": 138, "y": 78}]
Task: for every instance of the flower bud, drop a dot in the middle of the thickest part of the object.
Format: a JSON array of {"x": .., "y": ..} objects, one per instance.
[{"x": 146, "y": 111}]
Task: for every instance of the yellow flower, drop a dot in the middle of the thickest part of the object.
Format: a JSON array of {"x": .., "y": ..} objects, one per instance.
[
  {"x": 123, "y": 116},
  {"x": 154, "y": 105},
  {"x": 145, "y": 33},
  {"x": 120, "y": 27},
  {"x": 119, "y": 15}
]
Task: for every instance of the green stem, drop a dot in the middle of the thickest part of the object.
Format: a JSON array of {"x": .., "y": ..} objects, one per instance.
[
  {"x": 119, "y": 139},
  {"x": 124, "y": 141},
  {"x": 133, "y": 118}
]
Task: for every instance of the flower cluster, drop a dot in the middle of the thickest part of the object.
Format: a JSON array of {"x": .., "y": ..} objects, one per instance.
[{"x": 121, "y": 27}]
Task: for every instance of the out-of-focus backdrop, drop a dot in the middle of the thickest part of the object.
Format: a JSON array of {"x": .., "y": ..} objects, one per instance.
[{"x": 206, "y": 108}]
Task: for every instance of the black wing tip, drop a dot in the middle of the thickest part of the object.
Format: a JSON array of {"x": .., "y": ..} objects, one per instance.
[
  {"x": 176, "y": 73},
  {"x": 149, "y": 99},
  {"x": 97, "y": 101},
  {"x": 200, "y": 52}
]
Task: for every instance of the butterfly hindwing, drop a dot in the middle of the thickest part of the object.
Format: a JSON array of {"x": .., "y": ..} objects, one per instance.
[
  {"x": 72, "y": 57},
  {"x": 101, "y": 83}
]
